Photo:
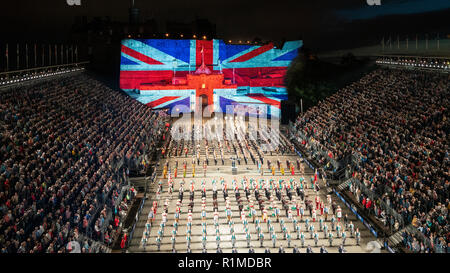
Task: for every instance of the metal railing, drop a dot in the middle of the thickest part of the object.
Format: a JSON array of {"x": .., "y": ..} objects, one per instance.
[
  {"x": 136, "y": 220},
  {"x": 376, "y": 198},
  {"x": 37, "y": 69},
  {"x": 435, "y": 247}
]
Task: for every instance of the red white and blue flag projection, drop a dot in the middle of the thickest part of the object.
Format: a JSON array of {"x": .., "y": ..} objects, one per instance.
[{"x": 167, "y": 73}]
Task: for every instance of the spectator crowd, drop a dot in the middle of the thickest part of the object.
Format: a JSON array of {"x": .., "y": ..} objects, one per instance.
[
  {"x": 65, "y": 149},
  {"x": 395, "y": 124}
]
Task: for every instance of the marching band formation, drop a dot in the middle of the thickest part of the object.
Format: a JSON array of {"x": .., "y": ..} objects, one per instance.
[{"x": 266, "y": 209}]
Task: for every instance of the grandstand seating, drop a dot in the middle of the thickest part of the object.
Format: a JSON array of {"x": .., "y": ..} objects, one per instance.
[
  {"x": 66, "y": 146},
  {"x": 395, "y": 124}
]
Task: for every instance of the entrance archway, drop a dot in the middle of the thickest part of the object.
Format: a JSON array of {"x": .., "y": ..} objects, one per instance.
[{"x": 204, "y": 100}]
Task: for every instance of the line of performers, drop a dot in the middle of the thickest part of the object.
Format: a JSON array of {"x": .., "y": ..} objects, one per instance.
[{"x": 252, "y": 188}]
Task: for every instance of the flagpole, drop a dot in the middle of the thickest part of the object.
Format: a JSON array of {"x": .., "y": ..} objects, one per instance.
[
  {"x": 26, "y": 54},
  {"x": 7, "y": 58},
  {"x": 18, "y": 57},
  {"x": 35, "y": 56},
  {"x": 301, "y": 105}
]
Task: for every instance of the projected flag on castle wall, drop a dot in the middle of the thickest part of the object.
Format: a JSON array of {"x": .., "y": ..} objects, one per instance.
[{"x": 165, "y": 73}]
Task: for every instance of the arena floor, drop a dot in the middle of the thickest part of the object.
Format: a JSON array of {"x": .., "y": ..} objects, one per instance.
[{"x": 218, "y": 171}]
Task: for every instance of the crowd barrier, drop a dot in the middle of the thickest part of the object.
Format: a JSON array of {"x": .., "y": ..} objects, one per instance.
[
  {"x": 141, "y": 206},
  {"x": 107, "y": 199},
  {"x": 354, "y": 210},
  {"x": 136, "y": 220},
  {"x": 373, "y": 196},
  {"x": 388, "y": 248}
]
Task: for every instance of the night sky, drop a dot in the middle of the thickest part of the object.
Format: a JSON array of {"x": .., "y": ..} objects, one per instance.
[{"x": 317, "y": 21}]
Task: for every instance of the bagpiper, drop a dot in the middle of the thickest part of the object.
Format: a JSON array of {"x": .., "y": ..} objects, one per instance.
[
  {"x": 294, "y": 222},
  {"x": 148, "y": 225},
  {"x": 358, "y": 236},
  {"x": 320, "y": 223},
  {"x": 203, "y": 215},
  {"x": 204, "y": 240},
  {"x": 229, "y": 214},
  {"x": 233, "y": 239},
  {"x": 325, "y": 230},
  {"x": 311, "y": 230},
  {"x": 253, "y": 213},
  {"x": 330, "y": 238},
  {"x": 188, "y": 240},
  {"x": 158, "y": 242},
  {"x": 218, "y": 240},
  {"x": 339, "y": 213},
  {"x": 333, "y": 222},
  {"x": 177, "y": 214},
  {"x": 316, "y": 238},
  {"x": 173, "y": 239},
  {"x": 351, "y": 226},
  {"x": 144, "y": 241},
  {"x": 302, "y": 239},
  {"x": 164, "y": 218},
  {"x": 277, "y": 213},
  {"x": 307, "y": 224},
  {"x": 302, "y": 212},
  {"x": 271, "y": 229},
  {"x": 264, "y": 216},
  {"x": 204, "y": 228},
  {"x": 189, "y": 218}
]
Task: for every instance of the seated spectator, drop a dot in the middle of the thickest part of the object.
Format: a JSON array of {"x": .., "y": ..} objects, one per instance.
[
  {"x": 395, "y": 124},
  {"x": 61, "y": 147}
]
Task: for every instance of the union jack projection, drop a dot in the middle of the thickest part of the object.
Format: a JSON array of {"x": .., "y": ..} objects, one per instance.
[{"x": 168, "y": 73}]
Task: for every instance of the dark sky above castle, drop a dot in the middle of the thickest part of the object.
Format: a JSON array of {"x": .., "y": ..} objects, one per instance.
[{"x": 317, "y": 22}]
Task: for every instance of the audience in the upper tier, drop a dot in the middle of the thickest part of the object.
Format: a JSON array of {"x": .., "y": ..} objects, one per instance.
[
  {"x": 396, "y": 122},
  {"x": 61, "y": 143}
]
